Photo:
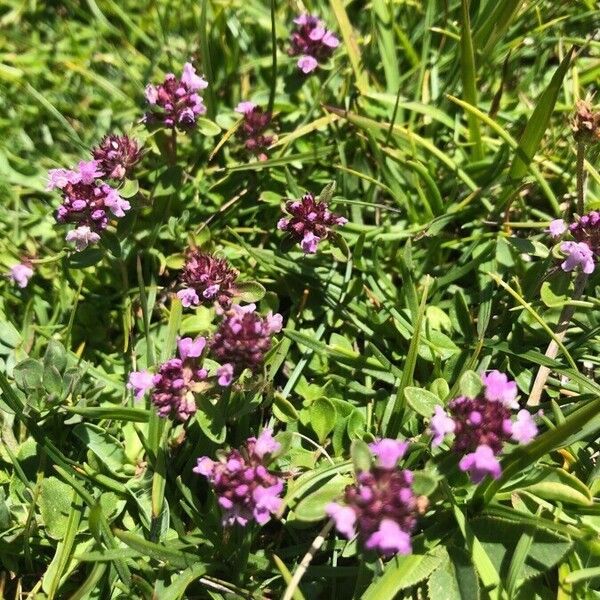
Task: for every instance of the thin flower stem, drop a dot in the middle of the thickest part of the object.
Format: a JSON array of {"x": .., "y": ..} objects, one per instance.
[
  {"x": 581, "y": 177},
  {"x": 305, "y": 562},
  {"x": 568, "y": 310},
  {"x": 552, "y": 350},
  {"x": 274, "y": 64}
]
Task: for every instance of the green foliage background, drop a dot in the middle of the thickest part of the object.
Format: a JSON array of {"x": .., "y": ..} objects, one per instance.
[{"x": 445, "y": 126}]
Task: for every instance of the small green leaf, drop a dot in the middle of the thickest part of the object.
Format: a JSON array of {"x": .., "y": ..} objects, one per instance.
[
  {"x": 455, "y": 578},
  {"x": 556, "y": 484},
  {"x": 362, "y": 457},
  {"x": 424, "y": 483},
  {"x": 210, "y": 419},
  {"x": 29, "y": 374},
  {"x": 440, "y": 388},
  {"x": 86, "y": 258},
  {"x": 322, "y": 417},
  {"x": 104, "y": 446},
  {"x": 338, "y": 246},
  {"x": 400, "y": 573},
  {"x": 283, "y": 409},
  {"x": 207, "y": 127},
  {"x": 327, "y": 192},
  {"x": 53, "y": 382},
  {"x": 55, "y": 506},
  {"x": 421, "y": 401},
  {"x": 55, "y": 355},
  {"x": 312, "y": 507},
  {"x": 175, "y": 261},
  {"x": 129, "y": 189},
  {"x": 470, "y": 384},
  {"x": 9, "y": 335},
  {"x": 356, "y": 424},
  {"x": 250, "y": 291}
]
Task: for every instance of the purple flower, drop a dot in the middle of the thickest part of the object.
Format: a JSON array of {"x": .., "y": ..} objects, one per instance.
[
  {"x": 175, "y": 103},
  {"x": 207, "y": 278},
  {"x": 139, "y": 382},
  {"x": 21, "y": 273},
  {"x": 524, "y": 428},
  {"x": 311, "y": 221},
  {"x": 246, "y": 490},
  {"x": 480, "y": 463},
  {"x": 191, "y": 80},
  {"x": 274, "y": 322},
  {"x": 440, "y": 425},
  {"x": 177, "y": 380},
  {"x": 189, "y": 348},
  {"x": 265, "y": 443},
  {"x": 309, "y": 242},
  {"x": 86, "y": 202},
  {"x": 557, "y": 227},
  {"x": 252, "y": 128},
  {"x": 267, "y": 502},
  {"x": 498, "y": 387},
  {"x": 312, "y": 42},
  {"x": 225, "y": 375},
  {"x": 381, "y": 506},
  {"x": 59, "y": 178},
  {"x": 388, "y": 452},
  {"x": 117, "y": 155},
  {"x": 188, "y": 297},
  {"x": 482, "y": 425},
  {"x": 117, "y": 205},
  {"x": 344, "y": 518},
  {"x": 579, "y": 254},
  {"x": 389, "y": 539},
  {"x": 82, "y": 237},
  {"x": 245, "y": 107},
  {"x": 583, "y": 252},
  {"x": 89, "y": 171},
  {"x": 307, "y": 64},
  {"x": 243, "y": 338}
]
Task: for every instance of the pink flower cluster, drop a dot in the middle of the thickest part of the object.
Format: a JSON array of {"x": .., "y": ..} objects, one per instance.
[
  {"x": 174, "y": 385},
  {"x": 312, "y": 42},
  {"x": 246, "y": 490},
  {"x": 585, "y": 249},
  {"x": 310, "y": 222},
  {"x": 242, "y": 340},
  {"x": 482, "y": 425},
  {"x": 252, "y": 129},
  {"x": 206, "y": 278},
  {"x": 381, "y": 506},
  {"x": 176, "y": 102},
  {"x": 88, "y": 202},
  {"x": 117, "y": 155}
]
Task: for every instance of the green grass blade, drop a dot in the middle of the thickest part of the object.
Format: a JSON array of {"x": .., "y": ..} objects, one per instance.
[
  {"x": 469, "y": 76},
  {"x": 484, "y": 566},
  {"x": 527, "y": 306},
  {"x": 514, "y": 145},
  {"x": 495, "y": 25},
  {"x": 64, "y": 549},
  {"x": 384, "y": 20},
  {"x": 350, "y": 44},
  {"x": 538, "y": 122}
]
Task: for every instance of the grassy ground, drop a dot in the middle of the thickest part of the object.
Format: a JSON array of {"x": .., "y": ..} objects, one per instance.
[{"x": 446, "y": 128}]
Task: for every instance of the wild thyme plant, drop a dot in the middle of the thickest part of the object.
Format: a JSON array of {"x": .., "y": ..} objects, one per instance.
[{"x": 299, "y": 301}]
